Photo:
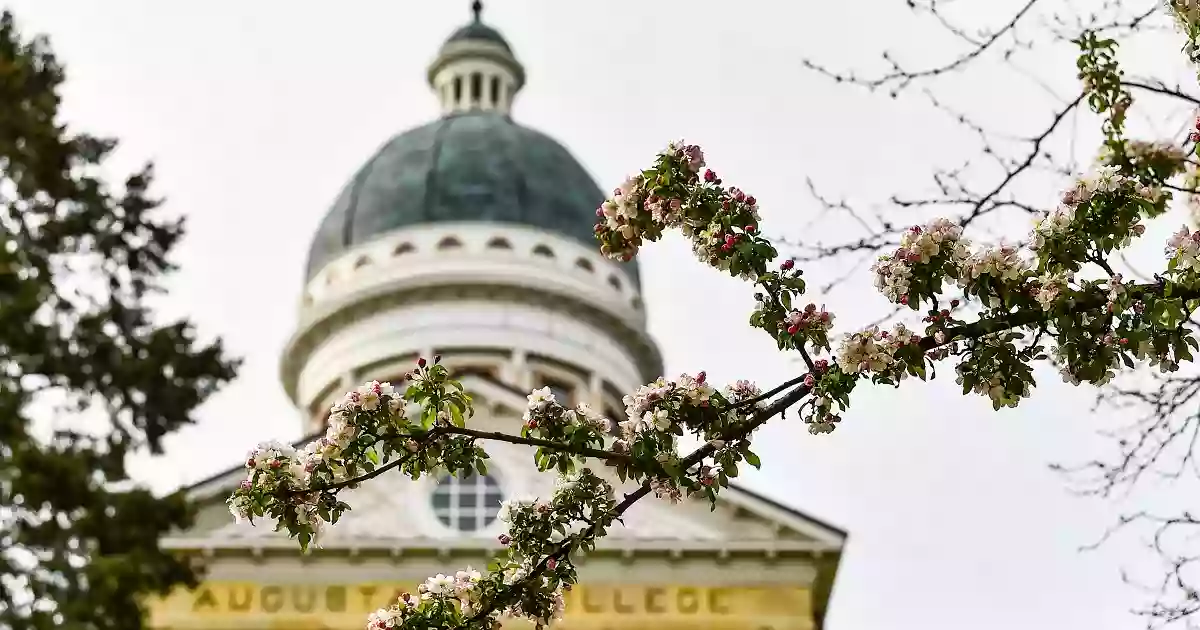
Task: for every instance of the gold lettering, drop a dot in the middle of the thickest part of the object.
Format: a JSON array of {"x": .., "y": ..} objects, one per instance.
[
  {"x": 604, "y": 603},
  {"x": 242, "y": 604},
  {"x": 205, "y": 599},
  {"x": 335, "y": 599},
  {"x": 688, "y": 601},
  {"x": 271, "y": 599},
  {"x": 589, "y": 605},
  {"x": 367, "y": 593},
  {"x": 716, "y": 601},
  {"x": 654, "y": 600},
  {"x": 304, "y": 599},
  {"x": 619, "y": 606}
]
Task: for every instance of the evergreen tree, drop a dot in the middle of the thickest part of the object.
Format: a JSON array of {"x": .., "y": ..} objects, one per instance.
[{"x": 78, "y": 260}]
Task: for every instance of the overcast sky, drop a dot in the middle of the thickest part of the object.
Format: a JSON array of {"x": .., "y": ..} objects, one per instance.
[{"x": 257, "y": 113}]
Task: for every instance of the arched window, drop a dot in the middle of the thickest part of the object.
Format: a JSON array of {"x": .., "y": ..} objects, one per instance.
[
  {"x": 403, "y": 248},
  {"x": 362, "y": 262},
  {"x": 449, "y": 243},
  {"x": 458, "y": 90},
  {"x": 468, "y": 502},
  {"x": 542, "y": 250},
  {"x": 584, "y": 264},
  {"x": 495, "y": 91},
  {"x": 564, "y": 394},
  {"x": 615, "y": 282},
  {"x": 499, "y": 242}
]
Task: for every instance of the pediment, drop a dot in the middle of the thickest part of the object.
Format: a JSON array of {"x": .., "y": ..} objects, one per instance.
[{"x": 397, "y": 513}]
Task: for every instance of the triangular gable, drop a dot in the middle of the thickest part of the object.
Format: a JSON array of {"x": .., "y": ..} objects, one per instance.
[{"x": 384, "y": 514}]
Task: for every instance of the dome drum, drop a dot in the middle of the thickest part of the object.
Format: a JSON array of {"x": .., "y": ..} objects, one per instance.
[
  {"x": 475, "y": 253},
  {"x": 372, "y": 346}
]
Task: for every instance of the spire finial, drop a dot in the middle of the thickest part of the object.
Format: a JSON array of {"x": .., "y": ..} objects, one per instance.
[{"x": 477, "y": 8}]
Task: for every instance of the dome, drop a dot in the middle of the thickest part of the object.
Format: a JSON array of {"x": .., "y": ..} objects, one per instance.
[
  {"x": 471, "y": 166},
  {"x": 478, "y": 31}
]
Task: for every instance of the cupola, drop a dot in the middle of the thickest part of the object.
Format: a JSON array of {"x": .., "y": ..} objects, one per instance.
[{"x": 476, "y": 70}]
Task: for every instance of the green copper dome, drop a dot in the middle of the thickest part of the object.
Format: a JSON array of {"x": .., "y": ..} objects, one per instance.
[
  {"x": 478, "y": 31},
  {"x": 472, "y": 166}
]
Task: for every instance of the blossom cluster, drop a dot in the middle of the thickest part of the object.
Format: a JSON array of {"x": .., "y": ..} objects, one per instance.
[
  {"x": 996, "y": 368},
  {"x": 441, "y": 593},
  {"x": 1187, "y": 17},
  {"x": 989, "y": 273},
  {"x": 658, "y": 413},
  {"x": 880, "y": 353},
  {"x": 1050, "y": 288},
  {"x": 1183, "y": 249},
  {"x": 792, "y": 328},
  {"x": 573, "y": 429},
  {"x": 1098, "y": 214},
  {"x": 722, "y": 223},
  {"x": 917, "y": 268}
]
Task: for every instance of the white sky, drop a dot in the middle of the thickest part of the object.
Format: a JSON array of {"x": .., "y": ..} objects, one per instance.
[{"x": 257, "y": 113}]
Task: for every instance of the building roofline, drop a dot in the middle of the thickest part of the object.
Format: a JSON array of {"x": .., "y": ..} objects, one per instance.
[{"x": 746, "y": 493}]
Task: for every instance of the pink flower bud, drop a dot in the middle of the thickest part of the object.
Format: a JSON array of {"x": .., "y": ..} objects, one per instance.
[
  {"x": 421, "y": 362},
  {"x": 551, "y": 562},
  {"x": 787, "y": 264},
  {"x": 505, "y": 539}
]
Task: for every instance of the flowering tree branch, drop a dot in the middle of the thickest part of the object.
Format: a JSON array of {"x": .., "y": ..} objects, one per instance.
[
  {"x": 1002, "y": 178},
  {"x": 1061, "y": 288}
]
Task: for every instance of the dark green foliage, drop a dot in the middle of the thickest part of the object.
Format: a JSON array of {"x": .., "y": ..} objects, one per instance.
[{"x": 77, "y": 341}]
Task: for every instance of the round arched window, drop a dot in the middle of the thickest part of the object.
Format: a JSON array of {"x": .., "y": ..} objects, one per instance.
[{"x": 467, "y": 503}]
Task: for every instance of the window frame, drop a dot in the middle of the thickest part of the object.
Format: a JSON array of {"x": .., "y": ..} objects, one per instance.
[{"x": 476, "y": 514}]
